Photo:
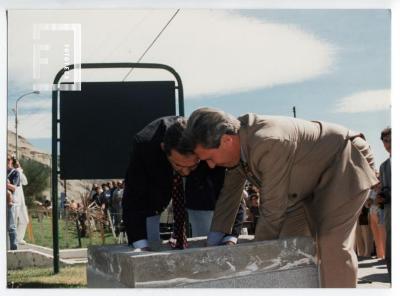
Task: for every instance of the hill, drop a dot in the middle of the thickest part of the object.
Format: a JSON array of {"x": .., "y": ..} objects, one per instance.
[{"x": 74, "y": 188}]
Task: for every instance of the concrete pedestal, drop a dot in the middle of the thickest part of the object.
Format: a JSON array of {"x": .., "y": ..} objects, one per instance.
[{"x": 285, "y": 263}]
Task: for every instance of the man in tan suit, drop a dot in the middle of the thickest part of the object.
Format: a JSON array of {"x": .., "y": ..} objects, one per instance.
[{"x": 312, "y": 174}]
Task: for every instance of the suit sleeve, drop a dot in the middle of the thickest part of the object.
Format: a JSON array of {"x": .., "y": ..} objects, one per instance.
[
  {"x": 228, "y": 201},
  {"x": 133, "y": 211},
  {"x": 238, "y": 223},
  {"x": 218, "y": 178},
  {"x": 274, "y": 159}
]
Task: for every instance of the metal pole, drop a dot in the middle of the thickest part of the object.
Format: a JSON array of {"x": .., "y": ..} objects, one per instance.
[
  {"x": 54, "y": 182},
  {"x": 16, "y": 119},
  {"x": 65, "y": 187},
  {"x": 16, "y": 130},
  {"x": 294, "y": 111}
]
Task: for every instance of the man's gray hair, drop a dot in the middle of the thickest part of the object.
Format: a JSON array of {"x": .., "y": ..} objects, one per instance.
[{"x": 206, "y": 126}]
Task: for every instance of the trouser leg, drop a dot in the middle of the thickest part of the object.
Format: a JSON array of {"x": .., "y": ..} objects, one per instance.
[
  {"x": 388, "y": 249},
  {"x": 295, "y": 223},
  {"x": 336, "y": 238},
  {"x": 359, "y": 246},
  {"x": 153, "y": 228},
  {"x": 11, "y": 228},
  {"x": 21, "y": 229},
  {"x": 22, "y": 221},
  {"x": 367, "y": 240},
  {"x": 377, "y": 233},
  {"x": 200, "y": 222},
  {"x": 338, "y": 261}
]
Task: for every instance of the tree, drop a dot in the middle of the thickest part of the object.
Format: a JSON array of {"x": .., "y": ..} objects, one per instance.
[{"x": 38, "y": 175}]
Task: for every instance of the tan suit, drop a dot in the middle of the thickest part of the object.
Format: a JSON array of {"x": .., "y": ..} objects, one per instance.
[{"x": 307, "y": 171}]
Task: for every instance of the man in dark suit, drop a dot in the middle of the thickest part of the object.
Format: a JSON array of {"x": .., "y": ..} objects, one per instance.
[
  {"x": 156, "y": 157},
  {"x": 385, "y": 196}
]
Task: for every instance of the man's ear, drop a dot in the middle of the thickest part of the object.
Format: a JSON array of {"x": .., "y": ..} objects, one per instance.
[
  {"x": 226, "y": 140},
  {"x": 162, "y": 146}
]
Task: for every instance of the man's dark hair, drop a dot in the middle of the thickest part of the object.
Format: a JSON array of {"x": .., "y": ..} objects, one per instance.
[
  {"x": 173, "y": 138},
  {"x": 386, "y": 132}
]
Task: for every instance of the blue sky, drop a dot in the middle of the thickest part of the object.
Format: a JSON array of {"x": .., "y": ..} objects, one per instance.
[{"x": 329, "y": 56}]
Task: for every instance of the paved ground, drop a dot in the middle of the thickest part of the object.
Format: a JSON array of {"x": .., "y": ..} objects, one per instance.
[{"x": 372, "y": 273}]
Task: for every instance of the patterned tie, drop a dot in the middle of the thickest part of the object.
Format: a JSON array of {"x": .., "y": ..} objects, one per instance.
[{"x": 180, "y": 215}]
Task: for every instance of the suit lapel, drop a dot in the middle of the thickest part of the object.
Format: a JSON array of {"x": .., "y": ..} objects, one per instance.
[{"x": 245, "y": 122}]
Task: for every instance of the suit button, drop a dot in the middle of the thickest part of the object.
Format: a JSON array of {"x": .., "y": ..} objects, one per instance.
[{"x": 293, "y": 195}]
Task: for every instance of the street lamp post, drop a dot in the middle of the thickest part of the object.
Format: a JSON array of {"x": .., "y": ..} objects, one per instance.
[{"x": 16, "y": 119}]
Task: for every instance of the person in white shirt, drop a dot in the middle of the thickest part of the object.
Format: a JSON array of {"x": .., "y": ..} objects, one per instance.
[{"x": 21, "y": 211}]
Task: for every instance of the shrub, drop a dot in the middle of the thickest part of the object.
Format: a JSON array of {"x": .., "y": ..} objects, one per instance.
[{"x": 38, "y": 176}]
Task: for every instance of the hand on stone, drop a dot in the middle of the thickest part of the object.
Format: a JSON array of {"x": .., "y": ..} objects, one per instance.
[{"x": 229, "y": 243}]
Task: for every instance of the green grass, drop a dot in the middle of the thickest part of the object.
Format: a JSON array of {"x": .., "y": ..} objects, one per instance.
[
  {"x": 39, "y": 277},
  {"x": 68, "y": 239},
  {"x": 43, "y": 277}
]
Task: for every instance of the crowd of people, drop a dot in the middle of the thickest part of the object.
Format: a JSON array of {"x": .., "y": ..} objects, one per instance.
[
  {"x": 252, "y": 202},
  {"x": 108, "y": 197},
  {"x": 105, "y": 199}
]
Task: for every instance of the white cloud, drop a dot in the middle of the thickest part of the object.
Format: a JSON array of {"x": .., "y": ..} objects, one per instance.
[
  {"x": 215, "y": 52},
  {"x": 219, "y": 53},
  {"x": 367, "y": 101}
]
